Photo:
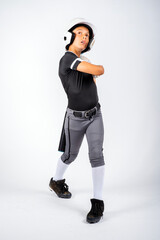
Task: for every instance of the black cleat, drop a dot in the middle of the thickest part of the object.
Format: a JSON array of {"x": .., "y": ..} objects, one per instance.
[
  {"x": 60, "y": 188},
  {"x": 96, "y": 211}
]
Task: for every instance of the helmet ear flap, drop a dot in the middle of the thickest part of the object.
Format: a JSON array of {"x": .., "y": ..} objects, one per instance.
[
  {"x": 69, "y": 38},
  {"x": 91, "y": 43}
]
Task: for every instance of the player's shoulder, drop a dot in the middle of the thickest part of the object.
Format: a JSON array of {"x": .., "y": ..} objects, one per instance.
[
  {"x": 68, "y": 55},
  {"x": 84, "y": 58},
  {"x": 68, "y": 58}
]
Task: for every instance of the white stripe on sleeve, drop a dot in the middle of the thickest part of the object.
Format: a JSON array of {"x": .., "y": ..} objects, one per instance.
[{"x": 75, "y": 62}]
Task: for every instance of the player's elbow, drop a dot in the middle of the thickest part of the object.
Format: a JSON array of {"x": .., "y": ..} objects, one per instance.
[{"x": 101, "y": 70}]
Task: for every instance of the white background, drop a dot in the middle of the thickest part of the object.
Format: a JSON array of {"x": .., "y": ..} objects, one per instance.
[{"x": 32, "y": 107}]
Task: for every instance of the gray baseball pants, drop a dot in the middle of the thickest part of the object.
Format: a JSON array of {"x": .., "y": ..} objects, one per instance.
[{"x": 75, "y": 129}]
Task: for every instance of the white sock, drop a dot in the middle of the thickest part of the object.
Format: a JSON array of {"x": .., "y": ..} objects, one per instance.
[
  {"x": 61, "y": 168},
  {"x": 98, "y": 180}
]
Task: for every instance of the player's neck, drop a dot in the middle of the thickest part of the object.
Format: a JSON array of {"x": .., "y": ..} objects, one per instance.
[{"x": 76, "y": 51}]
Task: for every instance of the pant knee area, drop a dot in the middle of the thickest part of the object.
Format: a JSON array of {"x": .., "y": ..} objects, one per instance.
[
  {"x": 97, "y": 162},
  {"x": 96, "y": 158},
  {"x": 69, "y": 158}
]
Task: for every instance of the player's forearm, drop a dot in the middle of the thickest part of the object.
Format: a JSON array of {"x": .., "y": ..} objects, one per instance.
[{"x": 99, "y": 70}]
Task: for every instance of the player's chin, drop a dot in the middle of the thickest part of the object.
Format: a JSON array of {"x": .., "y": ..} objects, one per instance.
[{"x": 83, "y": 48}]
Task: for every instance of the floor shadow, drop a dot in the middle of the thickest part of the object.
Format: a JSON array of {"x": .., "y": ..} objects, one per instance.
[{"x": 132, "y": 208}]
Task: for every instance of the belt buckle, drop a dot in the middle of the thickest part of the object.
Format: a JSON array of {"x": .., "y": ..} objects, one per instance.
[
  {"x": 85, "y": 114},
  {"x": 91, "y": 110}
]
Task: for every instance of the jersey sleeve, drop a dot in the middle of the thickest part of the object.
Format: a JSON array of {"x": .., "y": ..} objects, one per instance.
[
  {"x": 70, "y": 61},
  {"x": 75, "y": 63}
]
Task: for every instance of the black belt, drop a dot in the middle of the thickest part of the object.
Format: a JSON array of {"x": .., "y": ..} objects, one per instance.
[{"x": 88, "y": 113}]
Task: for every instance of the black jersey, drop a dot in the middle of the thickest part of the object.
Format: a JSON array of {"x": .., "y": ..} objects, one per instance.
[{"x": 80, "y": 87}]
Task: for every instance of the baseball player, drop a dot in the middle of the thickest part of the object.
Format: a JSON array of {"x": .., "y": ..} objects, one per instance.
[{"x": 83, "y": 115}]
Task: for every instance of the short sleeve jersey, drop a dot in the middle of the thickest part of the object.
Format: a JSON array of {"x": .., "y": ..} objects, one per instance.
[{"x": 80, "y": 87}]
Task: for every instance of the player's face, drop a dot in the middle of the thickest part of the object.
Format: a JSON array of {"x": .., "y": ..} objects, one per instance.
[{"x": 82, "y": 37}]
